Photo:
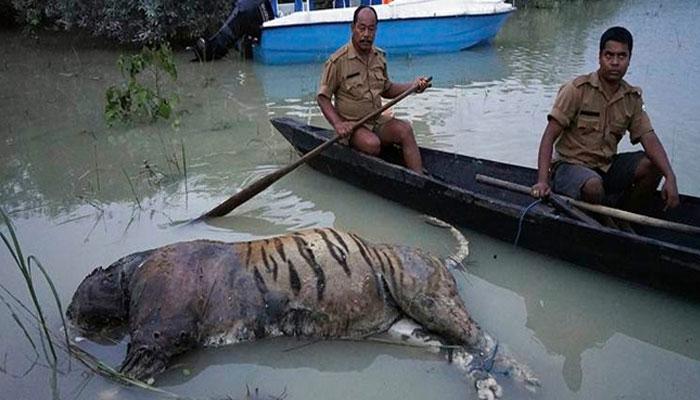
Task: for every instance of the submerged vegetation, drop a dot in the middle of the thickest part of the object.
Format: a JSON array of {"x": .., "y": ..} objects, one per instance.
[{"x": 142, "y": 95}]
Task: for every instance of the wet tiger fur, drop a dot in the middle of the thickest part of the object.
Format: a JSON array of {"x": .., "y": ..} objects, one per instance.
[{"x": 320, "y": 283}]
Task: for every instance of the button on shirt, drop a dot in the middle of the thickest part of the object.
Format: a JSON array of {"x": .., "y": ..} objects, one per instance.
[
  {"x": 594, "y": 123},
  {"x": 357, "y": 85}
]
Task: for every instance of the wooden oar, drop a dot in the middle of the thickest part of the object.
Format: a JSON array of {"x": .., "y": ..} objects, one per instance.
[
  {"x": 263, "y": 183},
  {"x": 596, "y": 208}
]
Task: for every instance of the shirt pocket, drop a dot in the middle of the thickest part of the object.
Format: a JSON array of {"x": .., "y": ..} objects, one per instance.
[
  {"x": 355, "y": 85},
  {"x": 378, "y": 81},
  {"x": 587, "y": 125}
]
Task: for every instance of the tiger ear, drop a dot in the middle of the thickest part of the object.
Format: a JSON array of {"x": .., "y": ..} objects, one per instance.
[{"x": 96, "y": 270}]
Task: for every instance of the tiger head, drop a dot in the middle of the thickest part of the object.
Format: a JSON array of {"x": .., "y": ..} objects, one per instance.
[{"x": 101, "y": 301}]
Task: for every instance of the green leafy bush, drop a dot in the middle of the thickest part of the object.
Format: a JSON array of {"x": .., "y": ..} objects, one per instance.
[
  {"x": 127, "y": 21},
  {"x": 141, "y": 97}
]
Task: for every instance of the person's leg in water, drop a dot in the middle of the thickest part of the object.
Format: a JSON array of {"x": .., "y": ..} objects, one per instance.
[{"x": 245, "y": 20}]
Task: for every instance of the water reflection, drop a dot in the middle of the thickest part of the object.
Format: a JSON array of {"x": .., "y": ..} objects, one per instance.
[
  {"x": 296, "y": 353},
  {"x": 291, "y": 90},
  {"x": 572, "y": 310},
  {"x": 53, "y": 168},
  {"x": 300, "y": 81}
]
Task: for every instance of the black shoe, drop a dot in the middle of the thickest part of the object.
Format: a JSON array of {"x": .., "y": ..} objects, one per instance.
[{"x": 200, "y": 51}]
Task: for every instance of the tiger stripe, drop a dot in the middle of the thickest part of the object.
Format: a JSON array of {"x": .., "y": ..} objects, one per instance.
[
  {"x": 274, "y": 267},
  {"x": 259, "y": 281},
  {"x": 294, "y": 281},
  {"x": 362, "y": 248},
  {"x": 392, "y": 272},
  {"x": 263, "y": 255},
  {"x": 339, "y": 239},
  {"x": 376, "y": 255},
  {"x": 279, "y": 246},
  {"x": 308, "y": 256},
  {"x": 248, "y": 253},
  {"x": 336, "y": 252}
]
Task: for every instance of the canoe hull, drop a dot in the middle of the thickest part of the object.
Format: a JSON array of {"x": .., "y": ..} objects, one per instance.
[{"x": 496, "y": 212}]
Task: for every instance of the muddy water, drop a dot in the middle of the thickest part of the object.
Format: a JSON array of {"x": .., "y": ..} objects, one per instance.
[{"x": 82, "y": 195}]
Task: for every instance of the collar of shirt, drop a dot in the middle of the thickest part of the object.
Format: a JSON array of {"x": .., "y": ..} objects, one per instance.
[
  {"x": 594, "y": 80},
  {"x": 352, "y": 52}
]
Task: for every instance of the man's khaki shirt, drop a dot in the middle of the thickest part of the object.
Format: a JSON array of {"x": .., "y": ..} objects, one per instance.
[
  {"x": 357, "y": 85},
  {"x": 593, "y": 123}
]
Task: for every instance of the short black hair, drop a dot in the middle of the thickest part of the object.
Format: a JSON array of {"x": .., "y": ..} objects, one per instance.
[
  {"x": 360, "y": 8},
  {"x": 617, "y": 34}
]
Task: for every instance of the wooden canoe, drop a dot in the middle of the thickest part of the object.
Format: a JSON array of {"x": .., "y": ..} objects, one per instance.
[{"x": 657, "y": 257}]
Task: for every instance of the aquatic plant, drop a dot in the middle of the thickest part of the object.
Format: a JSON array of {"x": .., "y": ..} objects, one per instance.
[
  {"x": 133, "y": 191},
  {"x": 141, "y": 96},
  {"x": 174, "y": 161},
  {"x": 25, "y": 267}
]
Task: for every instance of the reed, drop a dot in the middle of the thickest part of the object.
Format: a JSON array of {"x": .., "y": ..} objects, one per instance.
[
  {"x": 18, "y": 321},
  {"x": 133, "y": 190},
  {"x": 171, "y": 156},
  {"x": 24, "y": 265},
  {"x": 184, "y": 169},
  {"x": 97, "y": 170}
]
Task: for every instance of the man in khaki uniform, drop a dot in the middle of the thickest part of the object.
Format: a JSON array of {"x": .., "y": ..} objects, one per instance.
[
  {"x": 589, "y": 118},
  {"x": 356, "y": 76}
]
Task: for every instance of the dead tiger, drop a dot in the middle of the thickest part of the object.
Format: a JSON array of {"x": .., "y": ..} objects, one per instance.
[{"x": 319, "y": 283}]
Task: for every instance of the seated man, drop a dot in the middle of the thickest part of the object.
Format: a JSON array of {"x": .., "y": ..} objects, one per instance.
[
  {"x": 589, "y": 118},
  {"x": 356, "y": 76},
  {"x": 242, "y": 28}
]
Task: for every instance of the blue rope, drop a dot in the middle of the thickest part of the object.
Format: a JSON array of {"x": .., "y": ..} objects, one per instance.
[{"x": 522, "y": 217}]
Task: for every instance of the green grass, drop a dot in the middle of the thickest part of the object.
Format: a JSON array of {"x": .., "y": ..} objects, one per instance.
[{"x": 24, "y": 266}]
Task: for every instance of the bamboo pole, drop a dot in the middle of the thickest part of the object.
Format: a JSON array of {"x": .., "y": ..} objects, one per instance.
[{"x": 596, "y": 208}]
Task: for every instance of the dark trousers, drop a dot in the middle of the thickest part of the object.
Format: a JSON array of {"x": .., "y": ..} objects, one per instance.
[{"x": 242, "y": 27}]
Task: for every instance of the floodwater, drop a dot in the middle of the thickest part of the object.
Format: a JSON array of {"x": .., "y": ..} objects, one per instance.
[{"x": 82, "y": 195}]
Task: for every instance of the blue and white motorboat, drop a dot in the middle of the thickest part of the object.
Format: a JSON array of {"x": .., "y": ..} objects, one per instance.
[{"x": 406, "y": 27}]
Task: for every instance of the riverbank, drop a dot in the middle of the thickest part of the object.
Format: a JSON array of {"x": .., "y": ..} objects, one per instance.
[{"x": 140, "y": 21}]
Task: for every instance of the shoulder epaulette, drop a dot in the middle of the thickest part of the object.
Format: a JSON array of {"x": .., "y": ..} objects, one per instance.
[
  {"x": 581, "y": 80},
  {"x": 635, "y": 90},
  {"x": 338, "y": 53}
]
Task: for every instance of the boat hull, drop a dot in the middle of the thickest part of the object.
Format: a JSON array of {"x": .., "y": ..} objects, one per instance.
[
  {"x": 658, "y": 258},
  {"x": 314, "y": 42}
]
